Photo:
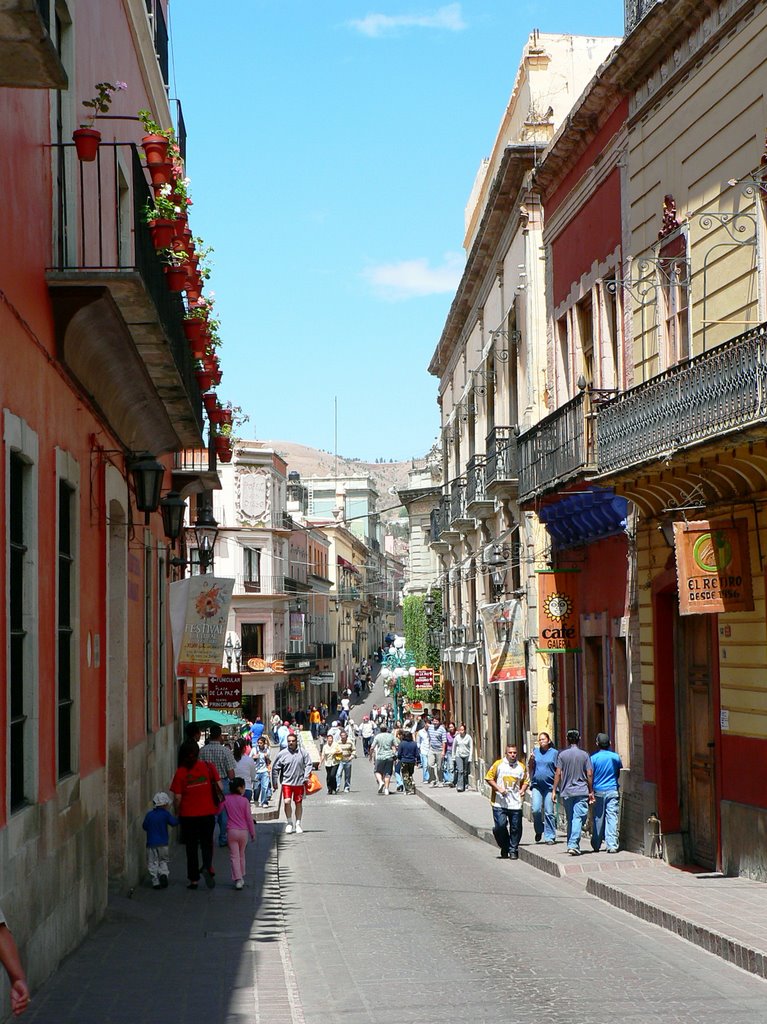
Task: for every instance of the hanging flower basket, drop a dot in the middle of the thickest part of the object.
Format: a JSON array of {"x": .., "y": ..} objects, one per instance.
[
  {"x": 226, "y": 417},
  {"x": 175, "y": 278},
  {"x": 162, "y": 232},
  {"x": 216, "y": 417},
  {"x": 86, "y": 143},
  {"x": 210, "y": 401},
  {"x": 155, "y": 149},
  {"x": 204, "y": 381}
]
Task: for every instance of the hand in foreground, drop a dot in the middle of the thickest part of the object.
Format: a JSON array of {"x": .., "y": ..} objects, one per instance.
[{"x": 19, "y": 997}]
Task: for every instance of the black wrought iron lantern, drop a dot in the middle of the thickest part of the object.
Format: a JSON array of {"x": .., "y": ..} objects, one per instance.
[
  {"x": 172, "y": 510},
  {"x": 147, "y": 475}
]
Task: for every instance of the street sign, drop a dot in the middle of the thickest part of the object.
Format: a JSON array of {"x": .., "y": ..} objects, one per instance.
[
  {"x": 424, "y": 679},
  {"x": 225, "y": 692}
]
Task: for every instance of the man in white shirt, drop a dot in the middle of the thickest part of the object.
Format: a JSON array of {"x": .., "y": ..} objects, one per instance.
[{"x": 508, "y": 781}]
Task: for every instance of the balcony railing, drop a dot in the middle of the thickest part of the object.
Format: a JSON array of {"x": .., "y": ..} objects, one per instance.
[
  {"x": 718, "y": 391},
  {"x": 556, "y": 449},
  {"x": 265, "y": 585},
  {"x": 102, "y": 237},
  {"x": 192, "y": 460},
  {"x": 475, "y": 479},
  {"x": 458, "y": 500},
  {"x": 280, "y": 521},
  {"x": 502, "y": 458},
  {"x": 324, "y": 650},
  {"x": 440, "y": 519}
]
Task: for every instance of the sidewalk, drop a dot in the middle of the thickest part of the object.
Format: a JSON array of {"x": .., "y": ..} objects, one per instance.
[{"x": 726, "y": 916}]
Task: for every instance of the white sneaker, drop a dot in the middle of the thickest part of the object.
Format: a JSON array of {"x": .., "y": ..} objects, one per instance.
[
  {"x": 387, "y": 793},
  {"x": 347, "y": 790},
  {"x": 289, "y": 827},
  {"x": 299, "y": 830},
  {"x": 239, "y": 884},
  {"x": 380, "y": 787}
]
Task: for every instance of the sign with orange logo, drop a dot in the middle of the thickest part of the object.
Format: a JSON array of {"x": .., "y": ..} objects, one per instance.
[
  {"x": 199, "y": 611},
  {"x": 559, "y": 617},
  {"x": 504, "y": 641},
  {"x": 713, "y": 567}
]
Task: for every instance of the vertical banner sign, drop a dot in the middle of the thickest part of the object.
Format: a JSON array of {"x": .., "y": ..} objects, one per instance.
[
  {"x": 559, "y": 617},
  {"x": 296, "y": 625},
  {"x": 713, "y": 567},
  {"x": 504, "y": 641},
  {"x": 225, "y": 692},
  {"x": 199, "y": 609}
]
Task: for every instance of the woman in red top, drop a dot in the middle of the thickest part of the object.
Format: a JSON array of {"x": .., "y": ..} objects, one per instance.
[{"x": 192, "y": 788}]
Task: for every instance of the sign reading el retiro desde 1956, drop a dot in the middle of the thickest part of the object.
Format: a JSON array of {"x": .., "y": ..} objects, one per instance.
[{"x": 713, "y": 567}]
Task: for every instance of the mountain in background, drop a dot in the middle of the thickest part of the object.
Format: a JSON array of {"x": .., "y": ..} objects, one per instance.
[{"x": 315, "y": 462}]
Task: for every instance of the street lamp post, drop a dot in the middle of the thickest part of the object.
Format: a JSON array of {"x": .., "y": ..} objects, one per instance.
[{"x": 205, "y": 532}]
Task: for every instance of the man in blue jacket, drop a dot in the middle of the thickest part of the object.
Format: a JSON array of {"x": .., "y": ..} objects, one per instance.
[{"x": 607, "y": 769}]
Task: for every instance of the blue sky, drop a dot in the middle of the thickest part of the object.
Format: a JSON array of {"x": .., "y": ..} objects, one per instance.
[{"x": 332, "y": 148}]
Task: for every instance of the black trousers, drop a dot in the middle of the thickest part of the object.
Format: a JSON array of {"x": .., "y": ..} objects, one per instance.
[
  {"x": 331, "y": 777},
  {"x": 197, "y": 836}
]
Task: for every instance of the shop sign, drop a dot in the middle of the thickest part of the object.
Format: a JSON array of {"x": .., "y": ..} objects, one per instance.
[
  {"x": 225, "y": 692},
  {"x": 559, "y": 617},
  {"x": 322, "y": 678},
  {"x": 199, "y": 610},
  {"x": 713, "y": 567},
  {"x": 424, "y": 679},
  {"x": 504, "y": 641}
]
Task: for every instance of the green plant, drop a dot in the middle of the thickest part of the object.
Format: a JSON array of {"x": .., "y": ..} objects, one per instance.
[
  {"x": 102, "y": 101},
  {"x": 174, "y": 257},
  {"x": 162, "y": 207},
  {"x": 151, "y": 127}
]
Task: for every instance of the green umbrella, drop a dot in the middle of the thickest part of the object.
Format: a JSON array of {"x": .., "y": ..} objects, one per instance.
[{"x": 207, "y": 716}]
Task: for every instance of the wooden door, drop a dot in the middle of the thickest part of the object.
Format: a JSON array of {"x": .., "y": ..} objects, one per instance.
[{"x": 696, "y": 693}]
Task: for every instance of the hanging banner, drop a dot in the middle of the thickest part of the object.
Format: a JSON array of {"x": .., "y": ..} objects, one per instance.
[
  {"x": 225, "y": 692},
  {"x": 504, "y": 641},
  {"x": 296, "y": 625},
  {"x": 713, "y": 567},
  {"x": 199, "y": 610},
  {"x": 559, "y": 617}
]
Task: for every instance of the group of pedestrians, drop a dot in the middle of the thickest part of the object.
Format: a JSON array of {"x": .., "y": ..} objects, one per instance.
[{"x": 579, "y": 779}]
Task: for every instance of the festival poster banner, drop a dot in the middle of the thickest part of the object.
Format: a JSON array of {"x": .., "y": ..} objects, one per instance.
[
  {"x": 559, "y": 617},
  {"x": 424, "y": 679},
  {"x": 504, "y": 641},
  {"x": 225, "y": 692},
  {"x": 713, "y": 567},
  {"x": 296, "y": 626},
  {"x": 200, "y": 608}
]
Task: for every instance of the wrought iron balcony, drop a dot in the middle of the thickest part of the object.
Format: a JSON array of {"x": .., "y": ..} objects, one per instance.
[
  {"x": 717, "y": 392},
  {"x": 264, "y": 585},
  {"x": 195, "y": 472},
  {"x": 324, "y": 651},
  {"x": 634, "y": 11},
  {"x": 440, "y": 520},
  {"x": 502, "y": 463},
  {"x": 557, "y": 449},
  {"x": 478, "y": 502},
  {"x": 459, "y": 517},
  {"x": 118, "y": 326}
]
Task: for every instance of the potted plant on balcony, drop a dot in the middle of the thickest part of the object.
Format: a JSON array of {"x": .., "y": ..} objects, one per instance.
[
  {"x": 87, "y": 138},
  {"x": 196, "y": 332},
  {"x": 156, "y": 141},
  {"x": 223, "y": 447},
  {"x": 160, "y": 215},
  {"x": 205, "y": 382},
  {"x": 175, "y": 268},
  {"x": 210, "y": 401}
]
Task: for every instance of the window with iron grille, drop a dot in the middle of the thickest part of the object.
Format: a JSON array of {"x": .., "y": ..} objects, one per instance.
[
  {"x": 17, "y": 556},
  {"x": 65, "y": 630}
]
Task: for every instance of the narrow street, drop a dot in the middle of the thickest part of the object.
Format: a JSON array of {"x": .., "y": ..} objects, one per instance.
[{"x": 384, "y": 910}]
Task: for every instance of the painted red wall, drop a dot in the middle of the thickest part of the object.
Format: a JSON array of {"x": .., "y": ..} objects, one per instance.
[
  {"x": 601, "y": 590},
  {"x": 593, "y": 233},
  {"x": 744, "y": 769}
]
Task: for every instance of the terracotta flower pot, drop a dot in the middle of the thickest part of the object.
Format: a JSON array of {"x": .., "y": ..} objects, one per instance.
[
  {"x": 210, "y": 362},
  {"x": 162, "y": 232},
  {"x": 86, "y": 143},
  {"x": 226, "y": 417},
  {"x": 210, "y": 401},
  {"x": 223, "y": 448},
  {"x": 175, "y": 278},
  {"x": 204, "y": 382},
  {"x": 159, "y": 174},
  {"x": 179, "y": 225},
  {"x": 216, "y": 416},
  {"x": 193, "y": 333},
  {"x": 216, "y": 376},
  {"x": 155, "y": 149}
]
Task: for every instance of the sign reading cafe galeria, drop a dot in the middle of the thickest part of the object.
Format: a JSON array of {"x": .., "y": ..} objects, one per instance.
[
  {"x": 713, "y": 567},
  {"x": 559, "y": 619}
]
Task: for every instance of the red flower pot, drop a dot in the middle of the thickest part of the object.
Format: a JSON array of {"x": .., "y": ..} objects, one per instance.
[
  {"x": 216, "y": 416},
  {"x": 204, "y": 381},
  {"x": 175, "y": 278},
  {"x": 210, "y": 362},
  {"x": 223, "y": 448},
  {"x": 162, "y": 232},
  {"x": 216, "y": 377},
  {"x": 193, "y": 332},
  {"x": 159, "y": 175},
  {"x": 178, "y": 229},
  {"x": 226, "y": 417},
  {"x": 86, "y": 143},
  {"x": 155, "y": 149},
  {"x": 210, "y": 401}
]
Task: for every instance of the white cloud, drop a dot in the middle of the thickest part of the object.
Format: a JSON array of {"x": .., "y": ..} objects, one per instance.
[
  {"x": 412, "y": 279},
  {"x": 376, "y": 25}
]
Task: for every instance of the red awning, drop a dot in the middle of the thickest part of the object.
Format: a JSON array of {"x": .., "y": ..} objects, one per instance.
[{"x": 348, "y": 565}]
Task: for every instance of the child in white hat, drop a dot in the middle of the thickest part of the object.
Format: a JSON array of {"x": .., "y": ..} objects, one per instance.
[{"x": 156, "y": 827}]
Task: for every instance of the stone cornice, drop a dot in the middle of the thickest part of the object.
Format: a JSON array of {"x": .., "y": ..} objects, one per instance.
[{"x": 518, "y": 159}]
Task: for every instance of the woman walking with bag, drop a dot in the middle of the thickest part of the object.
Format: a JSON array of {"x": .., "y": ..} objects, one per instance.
[
  {"x": 194, "y": 787},
  {"x": 329, "y": 762}
]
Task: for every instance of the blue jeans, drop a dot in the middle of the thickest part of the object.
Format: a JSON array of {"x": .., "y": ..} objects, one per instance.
[
  {"x": 605, "y": 820},
  {"x": 344, "y": 774},
  {"x": 577, "y": 810},
  {"x": 222, "y": 817},
  {"x": 461, "y": 773},
  {"x": 425, "y": 767},
  {"x": 544, "y": 819},
  {"x": 399, "y": 782},
  {"x": 261, "y": 788},
  {"x": 507, "y": 829}
]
